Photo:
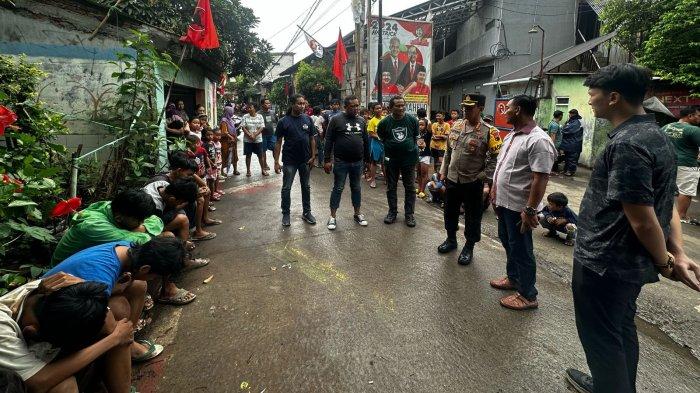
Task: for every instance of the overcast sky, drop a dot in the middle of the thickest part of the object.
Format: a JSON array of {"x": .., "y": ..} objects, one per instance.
[{"x": 276, "y": 14}]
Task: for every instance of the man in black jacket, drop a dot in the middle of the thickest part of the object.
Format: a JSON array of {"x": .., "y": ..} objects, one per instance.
[
  {"x": 348, "y": 143},
  {"x": 572, "y": 142}
]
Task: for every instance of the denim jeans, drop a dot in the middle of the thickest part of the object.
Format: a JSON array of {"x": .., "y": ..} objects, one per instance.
[
  {"x": 342, "y": 170},
  {"x": 571, "y": 161},
  {"x": 520, "y": 264},
  {"x": 408, "y": 175},
  {"x": 288, "y": 173},
  {"x": 320, "y": 143}
]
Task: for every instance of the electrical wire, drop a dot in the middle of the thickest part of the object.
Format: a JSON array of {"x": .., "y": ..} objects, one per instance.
[{"x": 326, "y": 24}]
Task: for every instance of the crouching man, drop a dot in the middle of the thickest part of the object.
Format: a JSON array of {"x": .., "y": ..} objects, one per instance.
[{"x": 53, "y": 328}]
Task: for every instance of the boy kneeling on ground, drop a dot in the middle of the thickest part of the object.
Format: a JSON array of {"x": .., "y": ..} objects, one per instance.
[
  {"x": 50, "y": 329},
  {"x": 558, "y": 217},
  {"x": 124, "y": 268}
]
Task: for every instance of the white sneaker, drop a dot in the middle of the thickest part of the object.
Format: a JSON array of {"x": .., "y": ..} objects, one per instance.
[
  {"x": 360, "y": 219},
  {"x": 331, "y": 223}
]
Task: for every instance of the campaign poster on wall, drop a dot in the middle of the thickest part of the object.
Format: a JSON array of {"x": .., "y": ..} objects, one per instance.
[{"x": 407, "y": 47}]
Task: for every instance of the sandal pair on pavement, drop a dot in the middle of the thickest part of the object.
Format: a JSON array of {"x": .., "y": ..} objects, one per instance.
[{"x": 180, "y": 298}]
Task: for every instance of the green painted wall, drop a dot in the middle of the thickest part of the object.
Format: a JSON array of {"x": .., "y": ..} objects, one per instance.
[{"x": 594, "y": 130}]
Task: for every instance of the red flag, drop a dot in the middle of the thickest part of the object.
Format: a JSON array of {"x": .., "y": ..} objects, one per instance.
[
  {"x": 7, "y": 117},
  {"x": 341, "y": 57},
  {"x": 203, "y": 34}
]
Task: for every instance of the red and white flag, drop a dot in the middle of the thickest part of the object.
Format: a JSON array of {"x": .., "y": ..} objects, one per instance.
[{"x": 203, "y": 34}]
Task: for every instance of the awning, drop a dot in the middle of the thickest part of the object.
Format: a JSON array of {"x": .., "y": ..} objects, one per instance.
[{"x": 553, "y": 61}]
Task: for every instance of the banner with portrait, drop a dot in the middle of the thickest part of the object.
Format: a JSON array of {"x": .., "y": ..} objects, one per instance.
[{"x": 407, "y": 47}]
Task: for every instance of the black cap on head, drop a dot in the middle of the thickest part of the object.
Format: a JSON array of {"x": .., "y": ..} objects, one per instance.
[{"x": 472, "y": 99}]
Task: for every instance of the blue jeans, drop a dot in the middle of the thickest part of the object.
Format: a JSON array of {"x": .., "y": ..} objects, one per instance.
[
  {"x": 288, "y": 173},
  {"x": 520, "y": 264},
  {"x": 342, "y": 170}
]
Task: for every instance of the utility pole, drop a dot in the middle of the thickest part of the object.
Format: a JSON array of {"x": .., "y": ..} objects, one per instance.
[
  {"x": 379, "y": 56},
  {"x": 358, "y": 58}
]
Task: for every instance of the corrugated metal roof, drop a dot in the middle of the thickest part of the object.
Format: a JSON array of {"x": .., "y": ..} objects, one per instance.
[
  {"x": 557, "y": 59},
  {"x": 597, "y": 5}
]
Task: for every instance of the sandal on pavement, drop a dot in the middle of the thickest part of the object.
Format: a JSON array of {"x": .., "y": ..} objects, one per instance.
[
  {"x": 181, "y": 297},
  {"x": 208, "y": 236},
  {"x": 196, "y": 263},
  {"x": 212, "y": 209},
  {"x": 189, "y": 246},
  {"x": 153, "y": 351},
  {"x": 518, "y": 302},
  {"x": 143, "y": 322},
  {"x": 213, "y": 221}
]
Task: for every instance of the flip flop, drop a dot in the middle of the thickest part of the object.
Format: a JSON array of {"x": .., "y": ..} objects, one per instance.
[
  {"x": 153, "y": 351},
  {"x": 148, "y": 303},
  {"x": 196, "y": 263},
  {"x": 143, "y": 322},
  {"x": 208, "y": 236},
  {"x": 179, "y": 299},
  {"x": 189, "y": 246},
  {"x": 213, "y": 222}
]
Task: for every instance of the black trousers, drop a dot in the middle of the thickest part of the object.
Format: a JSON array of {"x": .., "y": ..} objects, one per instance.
[
  {"x": 571, "y": 161},
  {"x": 408, "y": 175},
  {"x": 605, "y": 309},
  {"x": 471, "y": 195}
]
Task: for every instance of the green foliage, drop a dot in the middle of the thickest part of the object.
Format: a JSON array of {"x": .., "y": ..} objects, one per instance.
[
  {"x": 244, "y": 87},
  {"x": 33, "y": 166},
  {"x": 135, "y": 114},
  {"x": 241, "y": 51},
  {"x": 672, "y": 49},
  {"x": 316, "y": 82},
  {"x": 277, "y": 96},
  {"x": 661, "y": 34}
]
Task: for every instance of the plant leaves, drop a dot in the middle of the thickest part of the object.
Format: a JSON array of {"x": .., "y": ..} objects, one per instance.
[{"x": 20, "y": 203}]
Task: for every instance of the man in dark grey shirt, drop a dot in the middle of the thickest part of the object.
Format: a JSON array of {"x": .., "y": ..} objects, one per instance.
[
  {"x": 628, "y": 230},
  {"x": 348, "y": 143}
]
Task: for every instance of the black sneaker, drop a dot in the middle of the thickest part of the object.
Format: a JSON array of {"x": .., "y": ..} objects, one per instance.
[
  {"x": 286, "y": 221},
  {"x": 390, "y": 218},
  {"x": 581, "y": 382},
  {"x": 410, "y": 220},
  {"x": 308, "y": 217},
  {"x": 447, "y": 246}
]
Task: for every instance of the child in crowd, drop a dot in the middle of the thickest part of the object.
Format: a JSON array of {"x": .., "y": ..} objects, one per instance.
[
  {"x": 438, "y": 144},
  {"x": 437, "y": 189},
  {"x": 212, "y": 170},
  {"x": 376, "y": 147},
  {"x": 426, "y": 160},
  {"x": 196, "y": 152},
  {"x": 218, "y": 162},
  {"x": 170, "y": 199},
  {"x": 204, "y": 121},
  {"x": 558, "y": 217},
  {"x": 196, "y": 128}
]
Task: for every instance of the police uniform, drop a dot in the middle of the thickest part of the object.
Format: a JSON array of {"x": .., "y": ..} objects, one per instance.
[{"x": 464, "y": 166}]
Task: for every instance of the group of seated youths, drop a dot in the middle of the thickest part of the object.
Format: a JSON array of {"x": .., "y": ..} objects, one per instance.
[{"x": 76, "y": 325}]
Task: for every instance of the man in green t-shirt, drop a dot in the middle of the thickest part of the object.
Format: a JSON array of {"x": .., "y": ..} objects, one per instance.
[
  {"x": 685, "y": 136},
  {"x": 399, "y": 133},
  {"x": 130, "y": 216}
]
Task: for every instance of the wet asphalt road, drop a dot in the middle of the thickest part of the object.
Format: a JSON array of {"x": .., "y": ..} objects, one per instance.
[{"x": 373, "y": 309}]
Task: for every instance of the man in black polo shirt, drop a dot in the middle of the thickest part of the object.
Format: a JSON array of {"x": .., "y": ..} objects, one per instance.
[
  {"x": 629, "y": 231},
  {"x": 297, "y": 130},
  {"x": 348, "y": 143}
]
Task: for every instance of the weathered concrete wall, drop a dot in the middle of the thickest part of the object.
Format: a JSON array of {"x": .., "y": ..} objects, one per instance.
[
  {"x": 80, "y": 70},
  {"x": 594, "y": 130}
]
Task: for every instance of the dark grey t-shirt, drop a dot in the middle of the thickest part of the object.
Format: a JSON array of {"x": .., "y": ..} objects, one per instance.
[
  {"x": 637, "y": 167},
  {"x": 270, "y": 122}
]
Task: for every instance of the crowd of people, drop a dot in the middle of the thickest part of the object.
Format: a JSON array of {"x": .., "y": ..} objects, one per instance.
[{"x": 118, "y": 258}]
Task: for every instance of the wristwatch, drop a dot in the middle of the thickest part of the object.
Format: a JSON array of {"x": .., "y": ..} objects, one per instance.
[
  {"x": 530, "y": 211},
  {"x": 670, "y": 262}
]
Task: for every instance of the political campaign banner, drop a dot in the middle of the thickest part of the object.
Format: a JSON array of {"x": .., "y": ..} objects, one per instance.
[{"x": 407, "y": 47}]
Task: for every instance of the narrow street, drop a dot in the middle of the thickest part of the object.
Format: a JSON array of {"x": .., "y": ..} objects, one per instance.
[{"x": 376, "y": 309}]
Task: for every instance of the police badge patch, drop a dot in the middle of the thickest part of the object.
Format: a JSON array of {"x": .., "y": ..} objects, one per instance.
[{"x": 399, "y": 133}]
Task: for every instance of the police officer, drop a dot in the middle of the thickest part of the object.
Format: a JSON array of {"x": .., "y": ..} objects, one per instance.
[{"x": 470, "y": 143}]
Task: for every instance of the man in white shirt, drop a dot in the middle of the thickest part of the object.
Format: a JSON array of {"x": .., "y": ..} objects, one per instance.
[{"x": 62, "y": 313}]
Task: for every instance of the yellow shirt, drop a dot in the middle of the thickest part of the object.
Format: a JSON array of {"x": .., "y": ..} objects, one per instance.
[
  {"x": 372, "y": 126},
  {"x": 440, "y": 130}
]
